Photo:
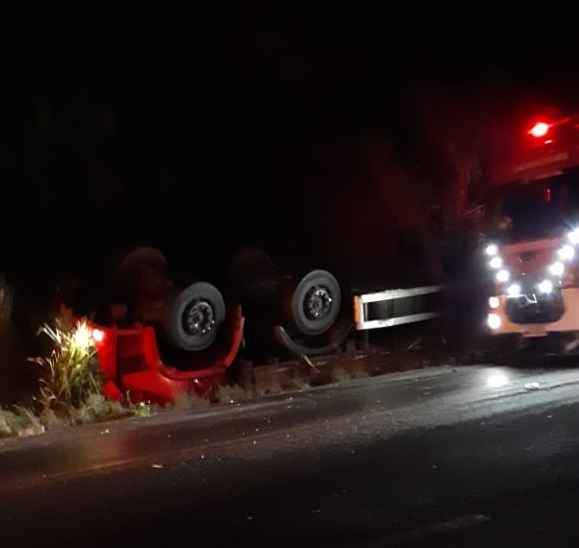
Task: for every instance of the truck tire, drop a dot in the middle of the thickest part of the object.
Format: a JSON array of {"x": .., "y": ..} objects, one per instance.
[
  {"x": 129, "y": 266},
  {"x": 314, "y": 304},
  {"x": 138, "y": 278},
  {"x": 192, "y": 318},
  {"x": 137, "y": 271},
  {"x": 252, "y": 275},
  {"x": 141, "y": 256}
]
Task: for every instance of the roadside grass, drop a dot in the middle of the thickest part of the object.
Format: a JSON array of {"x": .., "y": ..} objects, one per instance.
[
  {"x": 70, "y": 374},
  {"x": 17, "y": 379},
  {"x": 6, "y": 331},
  {"x": 341, "y": 374},
  {"x": 19, "y": 421},
  {"x": 15, "y": 419},
  {"x": 69, "y": 380}
]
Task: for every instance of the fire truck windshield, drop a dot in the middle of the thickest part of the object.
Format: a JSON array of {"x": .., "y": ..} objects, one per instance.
[{"x": 545, "y": 208}]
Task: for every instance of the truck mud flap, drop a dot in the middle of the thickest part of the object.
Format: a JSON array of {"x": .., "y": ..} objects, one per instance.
[{"x": 328, "y": 343}]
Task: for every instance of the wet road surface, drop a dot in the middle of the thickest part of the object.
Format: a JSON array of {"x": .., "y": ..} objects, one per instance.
[{"x": 460, "y": 456}]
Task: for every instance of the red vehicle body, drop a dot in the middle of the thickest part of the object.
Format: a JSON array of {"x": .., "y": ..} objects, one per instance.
[
  {"x": 532, "y": 219},
  {"x": 158, "y": 339},
  {"x": 130, "y": 360}
]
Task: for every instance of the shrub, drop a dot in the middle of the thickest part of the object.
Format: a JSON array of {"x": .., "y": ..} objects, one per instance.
[{"x": 70, "y": 375}]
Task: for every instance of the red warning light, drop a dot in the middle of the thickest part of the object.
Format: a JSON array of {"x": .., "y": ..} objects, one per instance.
[{"x": 540, "y": 129}]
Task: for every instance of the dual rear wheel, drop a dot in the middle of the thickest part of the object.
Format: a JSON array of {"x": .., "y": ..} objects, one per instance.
[{"x": 190, "y": 315}]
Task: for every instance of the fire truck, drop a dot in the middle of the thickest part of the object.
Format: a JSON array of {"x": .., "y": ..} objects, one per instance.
[{"x": 531, "y": 249}]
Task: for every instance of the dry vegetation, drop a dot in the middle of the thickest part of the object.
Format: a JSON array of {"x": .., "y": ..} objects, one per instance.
[{"x": 60, "y": 388}]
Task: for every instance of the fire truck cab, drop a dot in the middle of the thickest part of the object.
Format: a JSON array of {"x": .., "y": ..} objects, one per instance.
[{"x": 531, "y": 250}]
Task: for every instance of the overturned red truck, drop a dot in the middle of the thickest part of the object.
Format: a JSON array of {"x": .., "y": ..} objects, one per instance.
[
  {"x": 532, "y": 238},
  {"x": 160, "y": 336}
]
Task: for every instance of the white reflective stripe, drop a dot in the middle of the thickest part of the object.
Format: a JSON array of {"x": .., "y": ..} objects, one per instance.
[
  {"x": 397, "y": 294},
  {"x": 390, "y": 322}
]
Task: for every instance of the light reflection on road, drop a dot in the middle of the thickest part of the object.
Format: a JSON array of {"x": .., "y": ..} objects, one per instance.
[{"x": 398, "y": 402}]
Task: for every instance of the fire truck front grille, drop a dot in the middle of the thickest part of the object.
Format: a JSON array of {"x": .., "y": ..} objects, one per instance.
[{"x": 535, "y": 308}]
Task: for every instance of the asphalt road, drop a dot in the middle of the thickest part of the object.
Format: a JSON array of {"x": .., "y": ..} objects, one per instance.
[{"x": 466, "y": 456}]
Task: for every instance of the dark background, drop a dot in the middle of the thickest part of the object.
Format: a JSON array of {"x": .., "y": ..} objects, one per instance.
[{"x": 328, "y": 133}]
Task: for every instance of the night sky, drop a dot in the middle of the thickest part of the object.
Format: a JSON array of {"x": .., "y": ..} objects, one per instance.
[{"x": 206, "y": 125}]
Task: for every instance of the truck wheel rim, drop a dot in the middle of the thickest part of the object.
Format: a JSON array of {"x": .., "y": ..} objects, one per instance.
[
  {"x": 198, "y": 318},
  {"x": 318, "y": 303}
]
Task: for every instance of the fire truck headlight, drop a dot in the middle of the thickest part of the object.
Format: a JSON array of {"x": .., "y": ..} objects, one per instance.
[
  {"x": 566, "y": 253},
  {"x": 494, "y": 302},
  {"x": 494, "y": 321},
  {"x": 514, "y": 290},
  {"x": 496, "y": 263},
  {"x": 491, "y": 250},
  {"x": 574, "y": 236},
  {"x": 503, "y": 275},
  {"x": 557, "y": 268},
  {"x": 546, "y": 286}
]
